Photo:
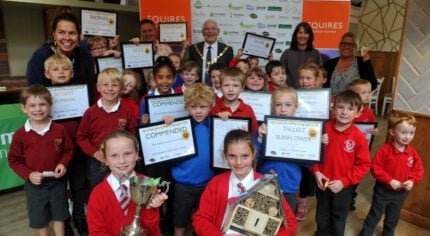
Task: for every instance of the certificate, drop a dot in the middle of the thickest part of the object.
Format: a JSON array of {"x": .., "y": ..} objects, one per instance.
[
  {"x": 69, "y": 101},
  {"x": 109, "y": 62},
  {"x": 367, "y": 129},
  {"x": 259, "y": 101},
  {"x": 137, "y": 56},
  {"x": 99, "y": 23},
  {"x": 294, "y": 139},
  {"x": 219, "y": 129},
  {"x": 172, "y": 32},
  {"x": 313, "y": 103},
  {"x": 167, "y": 105},
  {"x": 258, "y": 45},
  {"x": 160, "y": 142}
]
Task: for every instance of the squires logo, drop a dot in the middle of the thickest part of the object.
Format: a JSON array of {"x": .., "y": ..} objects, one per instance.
[
  {"x": 410, "y": 161},
  {"x": 349, "y": 145}
]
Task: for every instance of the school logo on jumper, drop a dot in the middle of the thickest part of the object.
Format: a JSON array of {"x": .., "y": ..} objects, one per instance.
[
  {"x": 410, "y": 161},
  {"x": 122, "y": 123},
  {"x": 57, "y": 144},
  {"x": 349, "y": 145}
]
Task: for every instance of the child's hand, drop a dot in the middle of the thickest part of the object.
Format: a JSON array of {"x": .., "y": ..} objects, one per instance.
[
  {"x": 157, "y": 200},
  {"x": 113, "y": 42},
  {"x": 60, "y": 170},
  {"x": 395, "y": 184},
  {"x": 262, "y": 130},
  {"x": 185, "y": 43},
  {"x": 335, "y": 186},
  {"x": 324, "y": 139},
  {"x": 36, "y": 178},
  {"x": 99, "y": 156},
  {"x": 321, "y": 180},
  {"x": 239, "y": 53},
  {"x": 375, "y": 131},
  {"x": 115, "y": 53},
  {"x": 145, "y": 119},
  {"x": 135, "y": 40},
  {"x": 224, "y": 115},
  {"x": 168, "y": 120},
  {"x": 408, "y": 185}
]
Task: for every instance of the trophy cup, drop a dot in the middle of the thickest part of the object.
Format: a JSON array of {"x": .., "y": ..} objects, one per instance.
[{"x": 142, "y": 189}]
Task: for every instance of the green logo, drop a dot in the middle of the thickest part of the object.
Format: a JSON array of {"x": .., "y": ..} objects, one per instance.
[
  {"x": 198, "y": 4},
  {"x": 233, "y": 7},
  {"x": 273, "y": 8},
  {"x": 245, "y": 26},
  {"x": 211, "y": 14},
  {"x": 284, "y": 26}
]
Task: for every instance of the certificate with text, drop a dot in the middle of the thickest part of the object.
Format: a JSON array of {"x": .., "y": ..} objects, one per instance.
[
  {"x": 160, "y": 142},
  {"x": 99, "y": 23},
  {"x": 258, "y": 45},
  {"x": 313, "y": 103},
  {"x": 69, "y": 101},
  {"x": 293, "y": 139},
  {"x": 166, "y": 105},
  {"x": 172, "y": 32},
  {"x": 219, "y": 129},
  {"x": 137, "y": 56},
  {"x": 367, "y": 129},
  {"x": 109, "y": 62},
  {"x": 259, "y": 101}
]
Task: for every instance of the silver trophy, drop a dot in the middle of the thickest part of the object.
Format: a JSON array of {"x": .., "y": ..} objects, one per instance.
[{"x": 141, "y": 193}]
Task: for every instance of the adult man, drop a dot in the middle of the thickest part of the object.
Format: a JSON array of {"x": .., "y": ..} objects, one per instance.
[
  {"x": 148, "y": 33},
  {"x": 210, "y": 50}
]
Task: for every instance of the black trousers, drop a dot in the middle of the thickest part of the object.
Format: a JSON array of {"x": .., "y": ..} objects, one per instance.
[
  {"x": 332, "y": 211},
  {"x": 384, "y": 201},
  {"x": 307, "y": 184},
  {"x": 77, "y": 176}
]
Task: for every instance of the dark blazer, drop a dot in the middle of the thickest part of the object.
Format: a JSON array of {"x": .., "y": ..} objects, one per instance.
[
  {"x": 365, "y": 69},
  {"x": 194, "y": 56}
]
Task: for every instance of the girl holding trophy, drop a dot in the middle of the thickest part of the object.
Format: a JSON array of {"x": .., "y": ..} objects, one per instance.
[{"x": 113, "y": 202}]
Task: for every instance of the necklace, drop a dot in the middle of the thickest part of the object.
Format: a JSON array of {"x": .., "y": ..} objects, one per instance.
[{"x": 209, "y": 63}]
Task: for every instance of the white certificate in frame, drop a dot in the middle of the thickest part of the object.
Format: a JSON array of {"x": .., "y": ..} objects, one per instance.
[
  {"x": 367, "y": 129},
  {"x": 293, "y": 139},
  {"x": 259, "y": 101},
  {"x": 109, "y": 62},
  {"x": 172, "y": 32},
  {"x": 137, "y": 56},
  {"x": 258, "y": 45},
  {"x": 160, "y": 142},
  {"x": 70, "y": 101},
  {"x": 219, "y": 129},
  {"x": 99, "y": 23},
  {"x": 165, "y": 105},
  {"x": 313, "y": 103}
]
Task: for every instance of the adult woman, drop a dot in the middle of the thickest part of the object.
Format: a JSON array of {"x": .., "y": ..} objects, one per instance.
[
  {"x": 301, "y": 51},
  {"x": 348, "y": 67}
]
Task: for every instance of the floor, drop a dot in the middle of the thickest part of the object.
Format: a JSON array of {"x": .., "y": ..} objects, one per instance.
[{"x": 13, "y": 214}]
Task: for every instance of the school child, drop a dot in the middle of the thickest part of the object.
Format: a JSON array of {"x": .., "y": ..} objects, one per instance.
[
  {"x": 101, "y": 119},
  {"x": 308, "y": 74},
  {"x": 243, "y": 65},
  {"x": 284, "y": 103},
  {"x": 397, "y": 168},
  {"x": 110, "y": 206},
  {"x": 232, "y": 83},
  {"x": 322, "y": 76},
  {"x": 59, "y": 70},
  {"x": 346, "y": 161},
  {"x": 241, "y": 157},
  {"x": 276, "y": 74},
  {"x": 253, "y": 61},
  {"x": 190, "y": 73},
  {"x": 256, "y": 80},
  {"x": 236, "y": 58},
  {"x": 99, "y": 47},
  {"x": 215, "y": 74},
  {"x": 130, "y": 93},
  {"x": 176, "y": 60},
  {"x": 39, "y": 153},
  {"x": 363, "y": 88}
]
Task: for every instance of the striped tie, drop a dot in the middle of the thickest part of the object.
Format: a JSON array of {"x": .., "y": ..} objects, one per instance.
[
  {"x": 124, "y": 199},
  {"x": 241, "y": 187}
]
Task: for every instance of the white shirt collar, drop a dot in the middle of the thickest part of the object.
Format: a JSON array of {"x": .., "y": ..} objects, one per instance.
[
  {"x": 116, "y": 185},
  {"x": 156, "y": 93},
  {"x": 247, "y": 183},
  {"x": 114, "y": 108},
  {"x": 28, "y": 127}
]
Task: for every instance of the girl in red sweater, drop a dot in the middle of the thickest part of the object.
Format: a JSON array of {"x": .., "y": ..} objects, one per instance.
[{"x": 213, "y": 209}]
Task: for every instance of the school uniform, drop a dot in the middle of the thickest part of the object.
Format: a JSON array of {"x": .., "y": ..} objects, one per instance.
[
  {"x": 366, "y": 115},
  {"x": 132, "y": 105},
  {"x": 271, "y": 88},
  {"x": 391, "y": 163},
  {"x": 142, "y": 107},
  {"x": 180, "y": 89}
]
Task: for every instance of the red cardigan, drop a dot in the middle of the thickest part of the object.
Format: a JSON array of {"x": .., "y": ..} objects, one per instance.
[
  {"x": 213, "y": 202},
  {"x": 105, "y": 216}
]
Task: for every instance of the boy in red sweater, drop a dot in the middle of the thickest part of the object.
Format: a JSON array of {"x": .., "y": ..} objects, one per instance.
[
  {"x": 232, "y": 84},
  {"x": 39, "y": 153},
  {"x": 397, "y": 167},
  {"x": 190, "y": 75},
  {"x": 101, "y": 119},
  {"x": 346, "y": 161}
]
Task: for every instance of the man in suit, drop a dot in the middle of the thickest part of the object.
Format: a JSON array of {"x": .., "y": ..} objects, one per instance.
[{"x": 209, "y": 51}]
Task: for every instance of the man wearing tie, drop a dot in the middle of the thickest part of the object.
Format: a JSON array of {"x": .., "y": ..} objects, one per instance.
[{"x": 209, "y": 51}]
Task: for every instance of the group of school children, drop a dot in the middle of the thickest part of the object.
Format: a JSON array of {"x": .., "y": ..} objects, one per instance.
[{"x": 106, "y": 134}]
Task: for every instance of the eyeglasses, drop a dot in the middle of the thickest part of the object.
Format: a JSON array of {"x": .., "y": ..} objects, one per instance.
[
  {"x": 100, "y": 48},
  {"x": 345, "y": 44}
]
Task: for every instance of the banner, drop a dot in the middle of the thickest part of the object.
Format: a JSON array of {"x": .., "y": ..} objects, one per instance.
[{"x": 11, "y": 119}]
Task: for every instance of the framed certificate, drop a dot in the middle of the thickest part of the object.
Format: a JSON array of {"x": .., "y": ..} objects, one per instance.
[
  {"x": 367, "y": 129},
  {"x": 293, "y": 139},
  {"x": 313, "y": 103},
  {"x": 69, "y": 101},
  {"x": 109, "y": 62},
  {"x": 259, "y": 101},
  {"x": 160, "y": 106},
  {"x": 137, "y": 56},
  {"x": 160, "y": 142},
  {"x": 172, "y": 32},
  {"x": 99, "y": 23},
  {"x": 258, "y": 45},
  {"x": 219, "y": 129}
]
